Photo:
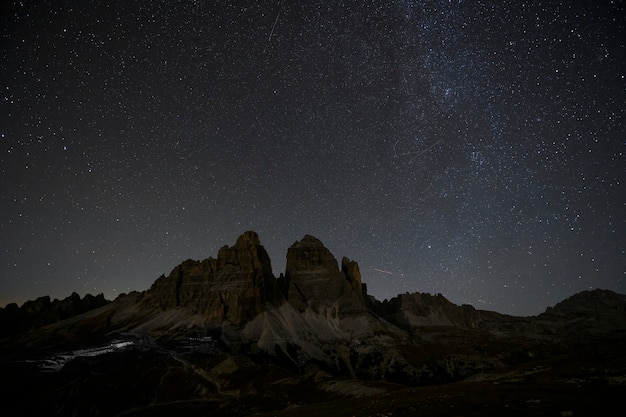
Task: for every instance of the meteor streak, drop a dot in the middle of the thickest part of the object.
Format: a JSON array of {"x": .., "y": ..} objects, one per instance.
[
  {"x": 420, "y": 153},
  {"x": 269, "y": 39},
  {"x": 383, "y": 271}
]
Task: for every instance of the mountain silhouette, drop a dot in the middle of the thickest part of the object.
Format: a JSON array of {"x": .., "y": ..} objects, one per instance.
[{"x": 224, "y": 336}]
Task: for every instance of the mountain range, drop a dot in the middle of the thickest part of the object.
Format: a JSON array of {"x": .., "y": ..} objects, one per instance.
[{"x": 224, "y": 336}]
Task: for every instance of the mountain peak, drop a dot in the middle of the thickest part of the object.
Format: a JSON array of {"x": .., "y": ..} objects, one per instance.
[
  {"x": 313, "y": 279},
  {"x": 590, "y": 301},
  {"x": 308, "y": 241},
  {"x": 310, "y": 254},
  {"x": 234, "y": 287},
  {"x": 248, "y": 238}
]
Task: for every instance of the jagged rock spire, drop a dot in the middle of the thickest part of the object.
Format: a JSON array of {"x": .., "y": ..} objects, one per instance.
[
  {"x": 239, "y": 284},
  {"x": 313, "y": 279},
  {"x": 234, "y": 287}
]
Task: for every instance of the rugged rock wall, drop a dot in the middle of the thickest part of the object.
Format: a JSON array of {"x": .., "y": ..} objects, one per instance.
[
  {"x": 421, "y": 309},
  {"x": 313, "y": 280},
  {"x": 239, "y": 284},
  {"x": 234, "y": 287}
]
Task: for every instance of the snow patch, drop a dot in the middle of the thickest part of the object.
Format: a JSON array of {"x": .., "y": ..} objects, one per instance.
[{"x": 58, "y": 361}]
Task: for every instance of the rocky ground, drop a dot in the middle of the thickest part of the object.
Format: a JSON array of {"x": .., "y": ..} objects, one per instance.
[{"x": 193, "y": 377}]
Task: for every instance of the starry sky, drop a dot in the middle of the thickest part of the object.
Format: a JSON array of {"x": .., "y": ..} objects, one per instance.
[{"x": 475, "y": 149}]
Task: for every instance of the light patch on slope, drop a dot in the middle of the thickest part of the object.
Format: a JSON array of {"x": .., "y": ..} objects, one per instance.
[{"x": 309, "y": 330}]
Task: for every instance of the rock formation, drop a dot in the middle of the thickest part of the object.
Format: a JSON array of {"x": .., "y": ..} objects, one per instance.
[
  {"x": 234, "y": 287},
  {"x": 225, "y": 337},
  {"x": 412, "y": 310},
  {"x": 590, "y": 312},
  {"x": 313, "y": 280}
]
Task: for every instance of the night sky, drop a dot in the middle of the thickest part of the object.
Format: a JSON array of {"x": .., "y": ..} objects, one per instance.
[{"x": 475, "y": 149}]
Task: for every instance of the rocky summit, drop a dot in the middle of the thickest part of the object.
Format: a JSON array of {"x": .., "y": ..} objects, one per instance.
[
  {"x": 225, "y": 337},
  {"x": 313, "y": 280},
  {"x": 234, "y": 288}
]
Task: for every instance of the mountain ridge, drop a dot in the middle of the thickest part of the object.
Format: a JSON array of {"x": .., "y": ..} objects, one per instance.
[
  {"x": 224, "y": 336},
  {"x": 239, "y": 284}
]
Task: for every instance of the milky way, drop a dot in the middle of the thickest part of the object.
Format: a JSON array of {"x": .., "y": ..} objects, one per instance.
[{"x": 470, "y": 148}]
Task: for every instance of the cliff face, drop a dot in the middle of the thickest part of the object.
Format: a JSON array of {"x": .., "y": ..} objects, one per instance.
[
  {"x": 234, "y": 287},
  {"x": 313, "y": 280},
  {"x": 239, "y": 284}
]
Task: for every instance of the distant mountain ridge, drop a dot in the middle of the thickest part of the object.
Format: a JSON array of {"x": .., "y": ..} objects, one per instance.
[
  {"x": 43, "y": 311},
  {"x": 237, "y": 286},
  {"x": 226, "y": 337}
]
